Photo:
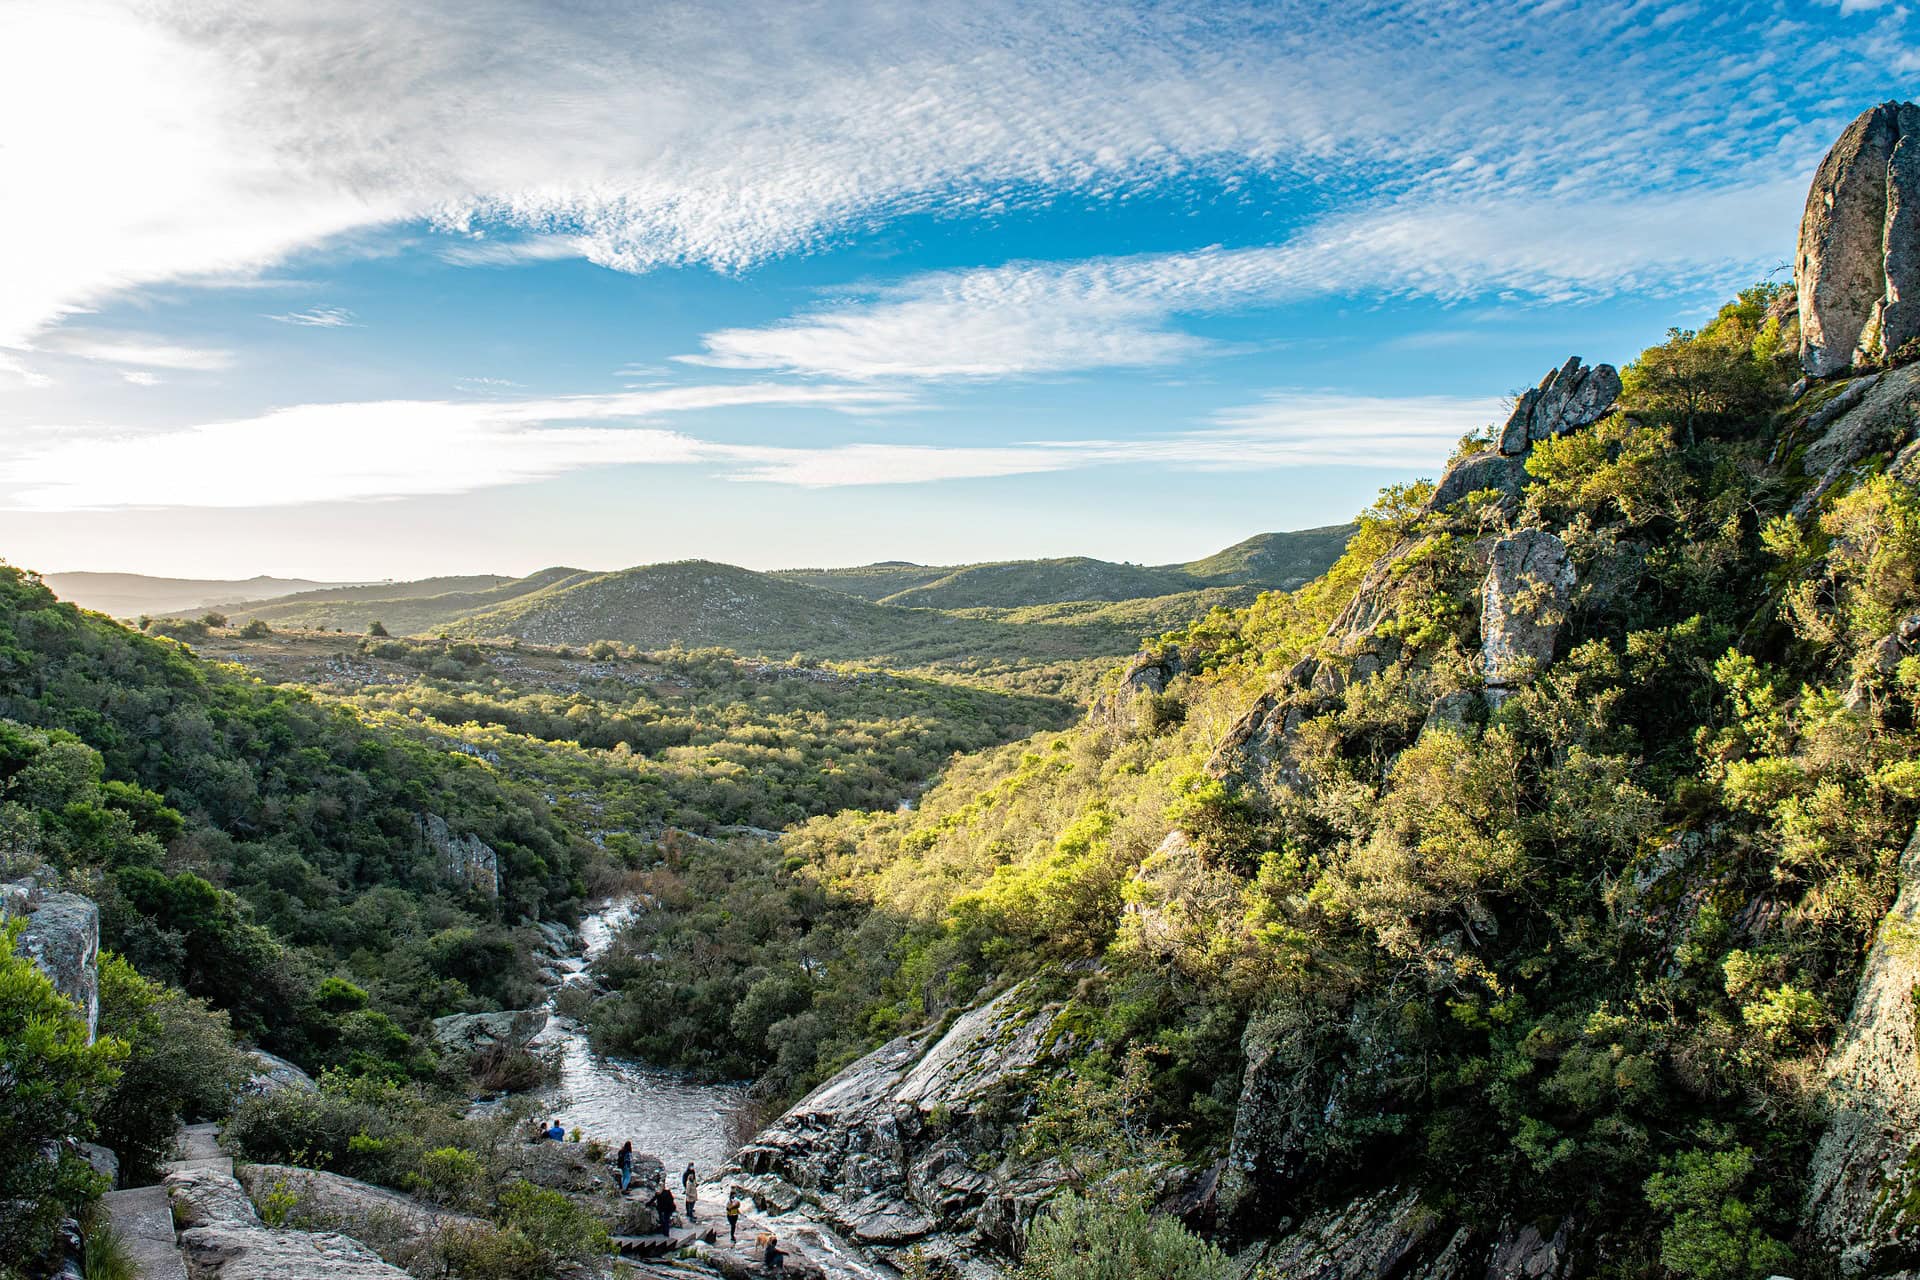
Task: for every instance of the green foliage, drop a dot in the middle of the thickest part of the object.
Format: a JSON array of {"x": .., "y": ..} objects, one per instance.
[
  {"x": 1720, "y": 1220},
  {"x": 1731, "y": 371},
  {"x": 180, "y": 1065},
  {"x": 54, "y": 1083},
  {"x": 1081, "y": 1239}
]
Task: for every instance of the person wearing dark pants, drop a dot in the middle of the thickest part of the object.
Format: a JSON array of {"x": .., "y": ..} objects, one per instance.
[{"x": 733, "y": 1217}]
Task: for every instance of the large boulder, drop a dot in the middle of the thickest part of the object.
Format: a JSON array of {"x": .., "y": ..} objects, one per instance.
[
  {"x": 1522, "y": 606},
  {"x": 886, "y": 1152},
  {"x": 272, "y": 1074},
  {"x": 1149, "y": 673},
  {"x": 471, "y": 1032},
  {"x": 62, "y": 937},
  {"x": 1870, "y": 415},
  {"x": 223, "y": 1238},
  {"x": 1864, "y": 1183},
  {"x": 1568, "y": 398},
  {"x": 400, "y": 1229},
  {"x": 1488, "y": 469},
  {"x": 1857, "y": 268}
]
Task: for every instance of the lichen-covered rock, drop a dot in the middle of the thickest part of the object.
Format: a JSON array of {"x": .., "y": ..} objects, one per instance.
[
  {"x": 1374, "y": 1237},
  {"x": 1876, "y": 414},
  {"x": 465, "y": 860},
  {"x": 1856, "y": 260},
  {"x": 1864, "y": 1183},
  {"x": 1258, "y": 752},
  {"x": 62, "y": 937},
  {"x": 1522, "y": 605},
  {"x": 470, "y": 1032},
  {"x": 885, "y": 1152}
]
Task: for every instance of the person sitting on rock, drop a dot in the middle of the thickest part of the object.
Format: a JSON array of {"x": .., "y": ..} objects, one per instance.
[
  {"x": 625, "y": 1165},
  {"x": 556, "y": 1132},
  {"x": 663, "y": 1206},
  {"x": 774, "y": 1258}
]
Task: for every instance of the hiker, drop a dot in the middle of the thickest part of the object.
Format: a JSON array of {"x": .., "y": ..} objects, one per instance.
[
  {"x": 691, "y": 1185},
  {"x": 663, "y": 1206},
  {"x": 555, "y": 1131},
  {"x": 774, "y": 1258},
  {"x": 625, "y": 1163},
  {"x": 733, "y": 1216}
]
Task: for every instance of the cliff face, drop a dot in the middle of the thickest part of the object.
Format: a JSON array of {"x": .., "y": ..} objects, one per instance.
[{"x": 1863, "y": 1196}]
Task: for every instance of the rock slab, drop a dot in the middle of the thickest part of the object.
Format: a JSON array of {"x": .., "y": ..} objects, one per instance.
[{"x": 1522, "y": 606}]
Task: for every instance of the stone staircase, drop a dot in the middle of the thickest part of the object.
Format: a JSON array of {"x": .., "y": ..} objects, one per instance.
[{"x": 143, "y": 1216}]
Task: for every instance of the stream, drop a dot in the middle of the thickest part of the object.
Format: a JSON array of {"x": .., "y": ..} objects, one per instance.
[{"x": 668, "y": 1114}]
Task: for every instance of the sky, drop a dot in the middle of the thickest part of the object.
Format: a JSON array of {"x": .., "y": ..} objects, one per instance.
[{"x": 356, "y": 290}]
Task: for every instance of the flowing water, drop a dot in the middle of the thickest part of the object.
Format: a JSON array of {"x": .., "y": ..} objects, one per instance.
[
  {"x": 667, "y": 1114},
  {"x": 663, "y": 1113}
]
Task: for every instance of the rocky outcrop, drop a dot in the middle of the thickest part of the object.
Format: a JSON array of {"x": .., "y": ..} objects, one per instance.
[
  {"x": 223, "y": 1238},
  {"x": 1568, "y": 398},
  {"x": 273, "y": 1074},
  {"x": 1392, "y": 1234},
  {"x": 1523, "y": 604},
  {"x": 1870, "y": 415},
  {"x": 472, "y": 1032},
  {"x": 1149, "y": 673},
  {"x": 886, "y": 1152},
  {"x": 62, "y": 937},
  {"x": 1857, "y": 269},
  {"x": 1864, "y": 1183},
  {"x": 398, "y": 1228},
  {"x": 463, "y": 859}
]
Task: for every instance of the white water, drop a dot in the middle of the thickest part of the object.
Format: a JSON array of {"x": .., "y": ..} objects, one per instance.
[
  {"x": 663, "y": 1113},
  {"x": 669, "y": 1115}
]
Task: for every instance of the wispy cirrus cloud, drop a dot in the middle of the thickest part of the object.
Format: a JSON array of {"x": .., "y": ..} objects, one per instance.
[
  {"x": 319, "y": 318},
  {"x": 208, "y": 139},
  {"x": 1051, "y": 317},
  {"x": 144, "y": 350}
]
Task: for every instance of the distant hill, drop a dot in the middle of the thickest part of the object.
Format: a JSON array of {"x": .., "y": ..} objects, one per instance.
[
  {"x": 404, "y": 608},
  {"x": 1280, "y": 561},
  {"x": 1270, "y": 561},
  {"x": 128, "y": 595}
]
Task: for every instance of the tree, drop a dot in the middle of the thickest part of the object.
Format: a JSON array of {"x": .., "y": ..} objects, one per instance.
[
  {"x": 54, "y": 1082},
  {"x": 378, "y": 628},
  {"x": 255, "y": 629},
  {"x": 214, "y": 618}
]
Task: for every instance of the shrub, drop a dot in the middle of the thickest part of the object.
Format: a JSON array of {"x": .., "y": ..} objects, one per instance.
[
  {"x": 255, "y": 629},
  {"x": 1083, "y": 1239},
  {"x": 1715, "y": 1234}
]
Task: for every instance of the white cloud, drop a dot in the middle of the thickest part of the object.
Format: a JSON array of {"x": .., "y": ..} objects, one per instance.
[
  {"x": 1036, "y": 318},
  {"x": 168, "y": 140},
  {"x": 146, "y": 350},
  {"x": 319, "y": 318},
  {"x": 140, "y": 377},
  {"x": 17, "y": 371},
  {"x": 1413, "y": 434},
  {"x": 381, "y": 449}
]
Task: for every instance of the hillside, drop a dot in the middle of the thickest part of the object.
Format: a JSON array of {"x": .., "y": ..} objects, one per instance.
[
  {"x": 1280, "y": 561},
  {"x": 404, "y": 608},
  {"x": 128, "y": 595}
]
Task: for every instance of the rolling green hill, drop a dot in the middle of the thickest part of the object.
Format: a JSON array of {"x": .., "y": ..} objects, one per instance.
[{"x": 402, "y": 607}]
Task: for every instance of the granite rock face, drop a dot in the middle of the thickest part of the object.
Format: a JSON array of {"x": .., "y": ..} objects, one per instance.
[
  {"x": 62, "y": 937},
  {"x": 1865, "y": 1174},
  {"x": 398, "y": 1228},
  {"x": 471, "y": 1032},
  {"x": 1149, "y": 673},
  {"x": 1857, "y": 268},
  {"x": 1568, "y": 398},
  {"x": 885, "y": 1152},
  {"x": 1522, "y": 606},
  {"x": 1870, "y": 415},
  {"x": 223, "y": 1238},
  {"x": 273, "y": 1074},
  {"x": 464, "y": 859}
]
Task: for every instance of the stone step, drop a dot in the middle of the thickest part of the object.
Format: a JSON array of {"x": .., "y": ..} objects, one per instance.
[
  {"x": 199, "y": 1142},
  {"x": 658, "y": 1245},
  {"x": 144, "y": 1219},
  {"x": 221, "y": 1164}
]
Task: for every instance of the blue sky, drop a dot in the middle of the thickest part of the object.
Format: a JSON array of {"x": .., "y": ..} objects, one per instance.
[{"x": 360, "y": 290}]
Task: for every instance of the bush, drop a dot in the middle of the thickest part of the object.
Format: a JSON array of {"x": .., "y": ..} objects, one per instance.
[
  {"x": 1083, "y": 1239},
  {"x": 54, "y": 1082},
  {"x": 255, "y": 629},
  {"x": 1715, "y": 1234},
  {"x": 181, "y": 1064}
]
